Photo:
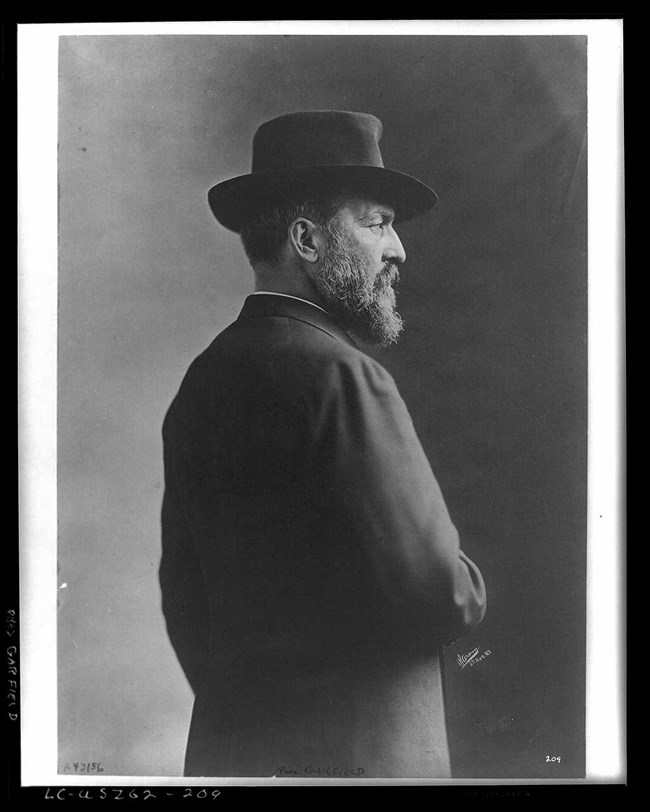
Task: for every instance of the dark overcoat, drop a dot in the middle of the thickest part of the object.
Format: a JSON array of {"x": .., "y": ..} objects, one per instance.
[{"x": 310, "y": 571}]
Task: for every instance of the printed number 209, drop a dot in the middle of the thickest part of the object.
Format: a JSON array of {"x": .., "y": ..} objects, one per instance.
[{"x": 554, "y": 758}]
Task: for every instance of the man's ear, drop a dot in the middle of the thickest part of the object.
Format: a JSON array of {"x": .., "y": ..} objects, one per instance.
[{"x": 306, "y": 240}]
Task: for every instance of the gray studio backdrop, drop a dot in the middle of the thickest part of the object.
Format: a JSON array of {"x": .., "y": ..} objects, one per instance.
[{"x": 492, "y": 363}]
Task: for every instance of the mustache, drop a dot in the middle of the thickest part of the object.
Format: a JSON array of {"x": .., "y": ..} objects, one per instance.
[{"x": 389, "y": 275}]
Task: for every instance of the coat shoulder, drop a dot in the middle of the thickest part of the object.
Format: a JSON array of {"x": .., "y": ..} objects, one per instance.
[{"x": 281, "y": 355}]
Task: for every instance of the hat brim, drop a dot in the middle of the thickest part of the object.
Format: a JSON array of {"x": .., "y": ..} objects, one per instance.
[{"x": 236, "y": 199}]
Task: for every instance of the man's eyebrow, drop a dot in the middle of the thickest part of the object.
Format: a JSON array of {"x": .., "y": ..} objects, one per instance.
[{"x": 387, "y": 214}]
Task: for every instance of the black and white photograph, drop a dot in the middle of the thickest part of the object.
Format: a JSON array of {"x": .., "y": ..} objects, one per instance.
[{"x": 320, "y": 505}]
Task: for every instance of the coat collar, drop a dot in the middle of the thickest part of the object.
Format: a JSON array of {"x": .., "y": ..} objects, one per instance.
[{"x": 266, "y": 304}]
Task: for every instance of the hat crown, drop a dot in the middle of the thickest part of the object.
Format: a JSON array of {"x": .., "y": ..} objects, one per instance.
[{"x": 317, "y": 138}]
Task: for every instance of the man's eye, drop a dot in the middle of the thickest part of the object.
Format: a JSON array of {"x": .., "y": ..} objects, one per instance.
[{"x": 378, "y": 225}]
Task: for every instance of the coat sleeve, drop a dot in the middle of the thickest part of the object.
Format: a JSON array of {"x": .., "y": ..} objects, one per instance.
[
  {"x": 379, "y": 480},
  {"x": 184, "y": 600}
]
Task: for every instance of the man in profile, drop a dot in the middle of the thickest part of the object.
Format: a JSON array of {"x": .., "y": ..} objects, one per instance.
[{"x": 310, "y": 572}]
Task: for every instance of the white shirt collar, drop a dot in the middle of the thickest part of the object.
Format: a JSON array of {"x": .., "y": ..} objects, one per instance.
[{"x": 287, "y": 296}]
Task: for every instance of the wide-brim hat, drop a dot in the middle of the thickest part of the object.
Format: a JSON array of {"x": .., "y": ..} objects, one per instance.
[{"x": 301, "y": 155}]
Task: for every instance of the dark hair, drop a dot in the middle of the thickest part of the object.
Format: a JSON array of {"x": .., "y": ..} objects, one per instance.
[{"x": 265, "y": 232}]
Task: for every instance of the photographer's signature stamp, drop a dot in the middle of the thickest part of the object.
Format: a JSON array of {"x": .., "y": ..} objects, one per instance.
[{"x": 472, "y": 657}]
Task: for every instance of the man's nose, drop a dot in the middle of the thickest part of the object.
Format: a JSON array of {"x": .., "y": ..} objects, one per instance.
[{"x": 395, "y": 250}]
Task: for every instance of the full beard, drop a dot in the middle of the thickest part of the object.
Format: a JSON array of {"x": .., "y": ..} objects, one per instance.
[{"x": 361, "y": 299}]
